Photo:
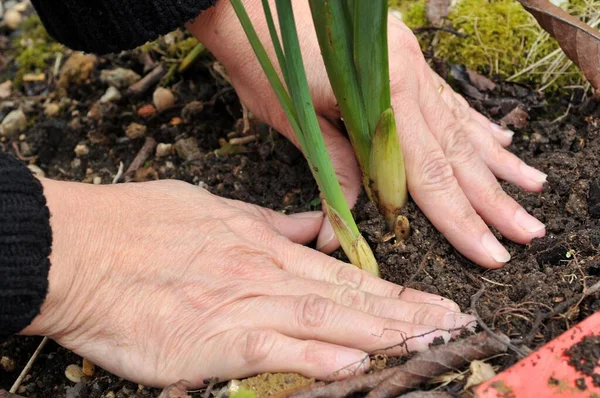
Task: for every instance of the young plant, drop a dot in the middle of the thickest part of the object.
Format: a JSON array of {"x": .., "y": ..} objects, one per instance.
[
  {"x": 353, "y": 39},
  {"x": 299, "y": 109}
]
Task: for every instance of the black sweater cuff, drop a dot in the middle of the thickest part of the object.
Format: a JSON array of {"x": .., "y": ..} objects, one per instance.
[
  {"x": 25, "y": 244},
  {"x": 108, "y": 26}
]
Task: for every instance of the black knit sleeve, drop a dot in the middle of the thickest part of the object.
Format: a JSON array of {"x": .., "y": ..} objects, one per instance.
[
  {"x": 108, "y": 26},
  {"x": 25, "y": 243}
]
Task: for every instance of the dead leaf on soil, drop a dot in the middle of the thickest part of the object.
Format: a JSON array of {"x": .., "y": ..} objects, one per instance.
[
  {"x": 480, "y": 82},
  {"x": 177, "y": 390},
  {"x": 518, "y": 118},
  {"x": 580, "y": 42},
  {"x": 437, "y": 10},
  {"x": 480, "y": 372}
]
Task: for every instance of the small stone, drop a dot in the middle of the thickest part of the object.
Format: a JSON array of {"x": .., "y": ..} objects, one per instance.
[
  {"x": 21, "y": 7},
  {"x": 74, "y": 373},
  {"x": 81, "y": 150},
  {"x": 76, "y": 70},
  {"x": 8, "y": 364},
  {"x": 187, "y": 148},
  {"x": 192, "y": 111},
  {"x": 13, "y": 19},
  {"x": 76, "y": 163},
  {"x": 80, "y": 390},
  {"x": 51, "y": 109},
  {"x": 120, "y": 77},
  {"x": 112, "y": 95},
  {"x": 147, "y": 111},
  {"x": 164, "y": 150},
  {"x": 97, "y": 180},
  {"x": 136, "y": 130},
  {"x": 13, "y": 124},
  {"x": 518, "y": 118},
  {"x": 176, "y": 121},
  {"x": 25, "y": 149},
  {"x": 6, "y": 89},
  {"x": 88, "y": 367},
  {"x": 109, "y": 394},
  {"x": 36, "y": 171},
  {"x": 163, "y": 99}
]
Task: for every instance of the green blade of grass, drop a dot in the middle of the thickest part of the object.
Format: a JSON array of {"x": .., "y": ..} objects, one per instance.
[
  {"x": 268, "y": 68},
  {"x": 333, "y": 25},
  {"x": 275, "y": 38},
  {"x": 315, "y": 149},
  {"x": 371, "y": 57}
]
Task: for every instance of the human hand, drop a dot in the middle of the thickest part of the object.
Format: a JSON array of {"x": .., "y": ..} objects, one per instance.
[
  {"x": 163, "y": 281},
  {"x": 453, "y": 154}
]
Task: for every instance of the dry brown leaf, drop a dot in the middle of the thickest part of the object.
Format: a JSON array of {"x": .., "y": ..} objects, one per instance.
[
  {"x": 437, "y": 10},
  {"x": 580, "y": 42}
]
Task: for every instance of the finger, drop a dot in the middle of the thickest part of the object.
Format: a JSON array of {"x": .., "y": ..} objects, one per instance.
[
  {"x": 300, "y": 228},
  {"x": 434, "y": 187},
  {"x": 502, "y": 135},
  {"x": 452, "y": 128},
  {"x": 313, "y": 317},
  {"x": 348, "y": 173},
  {"x": 312, "y": 265},
  {"x": 256, "y": 351},
  {"x": 383, "y": 307},
  {"x": 504, "y": 164}
]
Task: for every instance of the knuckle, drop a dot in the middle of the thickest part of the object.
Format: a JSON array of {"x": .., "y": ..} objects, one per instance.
[
  {"x": 257, "y": 345},
  {"x": 349, "y": 276},
  {"x": 457, "y": 147},
  {"x": 437, "y": 174},
  {"x": 352, "y": 298},
  {"x": 314, "y": 311}
]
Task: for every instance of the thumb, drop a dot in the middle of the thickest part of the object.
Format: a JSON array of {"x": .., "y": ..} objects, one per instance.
[{"x": 348, "y": 174}]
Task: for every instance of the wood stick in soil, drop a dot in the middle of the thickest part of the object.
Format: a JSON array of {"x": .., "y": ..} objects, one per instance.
[
  {"x": 417, "y": 370},
  {"x": 142, "y": 155},
  {"x": 147, "y": 82},
  {"x": 27, "y": 367}
]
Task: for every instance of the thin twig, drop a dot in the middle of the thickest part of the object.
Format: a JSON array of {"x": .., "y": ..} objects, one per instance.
[
  {"x": 147, "y": 82},
  {"x": 414, "y": 276},
  {"x": 27, "y": 367},
  {"x": 119, "y": 173},
  {"x": 474, "y": 299},
  {"x": 142, "y": 155},
  {"x": 210, "y": 387}
]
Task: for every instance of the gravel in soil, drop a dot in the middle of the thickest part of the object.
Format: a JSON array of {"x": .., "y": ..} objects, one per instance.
[{"x": 87, "y": 140}]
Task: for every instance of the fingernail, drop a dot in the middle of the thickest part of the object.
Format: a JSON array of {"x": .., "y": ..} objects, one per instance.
[
  {"x": 533, "y": 174},
  {"x": 495, "y": 248},
  {"x": 313, "y": 215},
  {"x": 501, "y": 130},
  {"x": 528, "y": 222},
  {"x": 352, "y": 358},
  {"x": 397, "y": 14},
  {"x": 326, "y": 235},
  {"x": 457, "y": 320}
]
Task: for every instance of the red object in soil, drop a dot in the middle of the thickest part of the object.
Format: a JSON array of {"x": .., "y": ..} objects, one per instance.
[{"x": 547, "y": 372}]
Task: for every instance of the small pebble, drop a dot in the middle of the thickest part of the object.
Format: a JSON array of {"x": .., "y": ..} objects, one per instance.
[
  {"x": 8, "y": 364},
  {"x": 109, "y": 394},
  {"x": 187, "y": 148},
  {"x": 74, "y": 373},
  {"x": 13, "y": 124},
  {"x": 120, "y": 77},
  {"x": 36, "y": 171},
  {"x": 25, "y": 149},
  {"x": 96, "y": 181},
  {"x": 147, "y": 111},
  {"x": 88, "y": 367},
  {"x": 192, "y": 111},
  {"x": 163, "y": 99},
  {"x": 51, "y": 109},
  {"x": 76, "y": 163},
  {"x": 81, "y": 150},
  {"x": 6, "y": 89},
  {"x": 136, "y": 130},
  {"x": 164, "y": 150},
  {"x": 112, "y": 95},
  {"x": 13, "y": 19}
]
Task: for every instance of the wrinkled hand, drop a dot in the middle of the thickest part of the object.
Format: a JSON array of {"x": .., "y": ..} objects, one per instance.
[
  {"x": 163, "y": 281},
  {"x": 453, "y": 154}
]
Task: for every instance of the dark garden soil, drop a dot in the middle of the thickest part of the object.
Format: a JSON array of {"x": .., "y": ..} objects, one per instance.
[{"x": 269, "y": 171}]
